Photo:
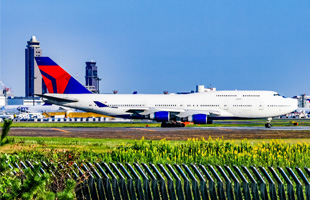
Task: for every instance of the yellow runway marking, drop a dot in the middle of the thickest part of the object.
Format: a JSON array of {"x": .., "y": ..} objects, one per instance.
[
  {"x": 222, "y": 129},
  {"x": 57, "y": 129},
  {"x": 143, "y": 129}
]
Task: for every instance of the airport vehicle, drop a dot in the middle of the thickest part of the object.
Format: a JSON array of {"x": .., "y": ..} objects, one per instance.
[{"x": 170, "y": 109}]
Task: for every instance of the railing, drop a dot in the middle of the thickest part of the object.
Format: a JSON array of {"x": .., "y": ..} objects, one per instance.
[{"x": 142, "y": 181}]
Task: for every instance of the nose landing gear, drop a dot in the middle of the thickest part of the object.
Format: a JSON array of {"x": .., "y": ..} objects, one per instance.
[{"x": 268, "y": 124}]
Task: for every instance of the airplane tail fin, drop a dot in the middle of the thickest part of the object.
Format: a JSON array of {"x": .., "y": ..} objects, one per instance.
[{"x": 57, "y": 80}]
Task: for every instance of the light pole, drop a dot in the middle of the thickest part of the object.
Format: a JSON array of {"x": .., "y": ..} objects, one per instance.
[{"x": 33, "y": 78}]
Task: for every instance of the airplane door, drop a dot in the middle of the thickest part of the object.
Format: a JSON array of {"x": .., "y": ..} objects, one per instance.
[
  {"x": 181, "y": 104},
  {"x": 225, "y": 106},
  {"x": 261, "y": 105}
]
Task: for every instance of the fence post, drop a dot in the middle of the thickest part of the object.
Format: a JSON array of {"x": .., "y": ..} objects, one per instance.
[
  {"x": 68, "y": 175},
  {"x": 20, "y": 169},
  {"x": 84, "y": 185},
  {"x": 203, "y": 186},
  {"x": 245, "y": 184},
  {"x": 290, "y": 191},
  {"x": 32, "y": 167},
  {"x": 272, "y": 187},
  {"x": 114, "y": 182},
  {"x": 299, "y": 192},
  {"x": 91, "y": 183},
  {"x": 263, "y": 189},
  {"x": 212, "y": 190},
  {"x": 307, "y": 170},
  {"x": 130, "y": 187},
  {"x": 253, "y": 183},
  {"x": 98, "y": 180},
  {"x": 178, "y": 184},
  {"x": 106, "y": 182},
  {"x": 306, "y": 182},
  {"x": 121, "y": 182},
  {"x": 146, "y": 183},
  {"x": 187, "y": 189},
  {"x": 154, "y": 182},
  {"x": 162, "y": 184},
  {"x": 237, "y": 187},
  {"x": 169, "y": 182},
  {"x": 229, "y": 190},
  {"x": 195, "y": 188},
  {"x": 281, "y": 191},
  {"x": 23, "y": 165},
  {"x": 22, "y": 175},
  {"x": 47, "y": 167},
  {"x": 10, "y": 166},
  {"x": 138, "y": 186},
  {"x": 220, "y": 188}
]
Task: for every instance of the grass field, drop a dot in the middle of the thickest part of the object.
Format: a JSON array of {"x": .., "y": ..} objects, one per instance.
[
  {"x": 287, "y": 152},
  {"x": 275, "y": 122},
  {"x": 291, "y": 152},
  {"x": 99, "y": 145}
]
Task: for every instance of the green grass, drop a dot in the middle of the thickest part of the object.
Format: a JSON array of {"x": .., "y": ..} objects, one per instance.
[
  {"x": 80, "y": 124},
  {"x": 96, "y": 145},
  {"x": 290, "y": 152},
  {"x": 226, "y": 123},
  {"x": 77, "y": 144}
]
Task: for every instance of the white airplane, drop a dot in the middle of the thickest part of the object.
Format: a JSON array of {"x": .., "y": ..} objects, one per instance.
[
  {"x": 170, "y": 109},
  {"x": 18, "y": 109}
]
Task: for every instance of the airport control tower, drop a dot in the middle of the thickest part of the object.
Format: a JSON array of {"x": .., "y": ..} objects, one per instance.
[
  {"x": 33, "y": 79},
  {"x": 91, "y": 77}
]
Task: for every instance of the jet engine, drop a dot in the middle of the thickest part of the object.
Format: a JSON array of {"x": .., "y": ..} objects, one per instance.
[
  {"x": 160, "y": 116},
  {"x": 198, "y": 119}
]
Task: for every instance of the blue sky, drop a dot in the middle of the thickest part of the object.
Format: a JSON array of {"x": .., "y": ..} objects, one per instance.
[{"x": 152, "y": 46}]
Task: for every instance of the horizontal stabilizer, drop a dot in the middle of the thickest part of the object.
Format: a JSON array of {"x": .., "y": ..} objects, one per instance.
[{"x": 53, "y": 98}]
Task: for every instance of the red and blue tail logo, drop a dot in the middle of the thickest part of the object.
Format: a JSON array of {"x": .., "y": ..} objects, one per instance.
[{"x": 58, "y": 80}]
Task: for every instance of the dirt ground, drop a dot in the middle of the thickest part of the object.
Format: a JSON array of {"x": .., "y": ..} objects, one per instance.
[{"x": 159, "y": 133}]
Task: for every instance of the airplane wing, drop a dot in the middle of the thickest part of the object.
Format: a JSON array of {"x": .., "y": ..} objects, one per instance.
[
  {"x": 193, "y": 112},
  {"x": 62, "y": 99},
  {"x": 174, "y": 112}
]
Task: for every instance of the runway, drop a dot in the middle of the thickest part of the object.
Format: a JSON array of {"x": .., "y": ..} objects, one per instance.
[{"x": 168, "y": 133}]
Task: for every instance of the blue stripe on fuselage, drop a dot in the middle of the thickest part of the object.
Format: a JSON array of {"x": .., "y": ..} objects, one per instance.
[{"x": 100, "y": 105}]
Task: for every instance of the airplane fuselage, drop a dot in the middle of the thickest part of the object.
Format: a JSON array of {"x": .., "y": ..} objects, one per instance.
[{"x": 213, "y": 104}]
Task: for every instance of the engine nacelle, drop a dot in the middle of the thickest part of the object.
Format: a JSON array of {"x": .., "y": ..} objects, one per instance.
[
  {"x": 198, "y": 119},
  {"x": 161, "y": 116}
]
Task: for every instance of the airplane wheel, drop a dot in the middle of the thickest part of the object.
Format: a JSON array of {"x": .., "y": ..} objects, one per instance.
[
  {"x": 268, "y": 125},
  {"x": 172, "y": 124},
  {"x": 164, "y": 124},
  {"x": 210, "y": 122}
]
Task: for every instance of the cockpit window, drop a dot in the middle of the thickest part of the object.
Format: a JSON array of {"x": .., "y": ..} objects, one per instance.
[{"x": 276, "y": 95}]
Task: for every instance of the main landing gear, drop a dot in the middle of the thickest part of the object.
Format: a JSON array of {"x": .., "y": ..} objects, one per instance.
[
  {"x": 172, "y": 124},
  {"x": 268, "y": 124}
]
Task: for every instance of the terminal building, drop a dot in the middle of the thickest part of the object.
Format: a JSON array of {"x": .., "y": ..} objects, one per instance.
[
  {"x": 91, "y": 77},
  {"x": 303, "y": 101},
  {"x": 33, "y": 80},
  {"x": 24, "y": 101}
]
